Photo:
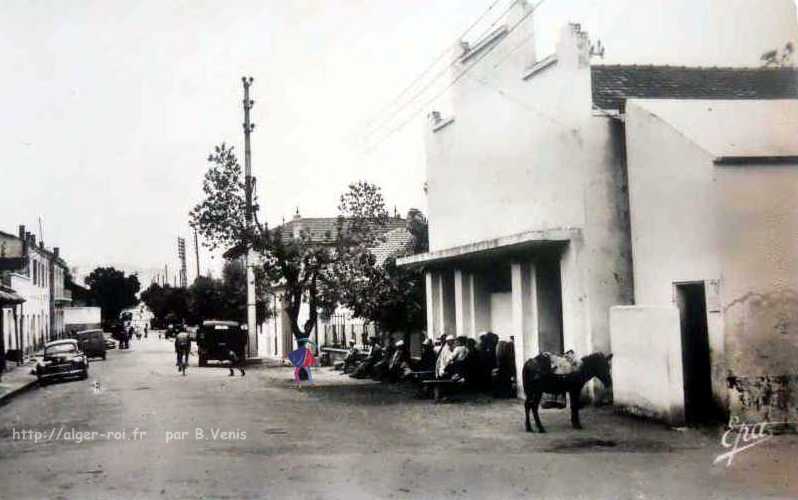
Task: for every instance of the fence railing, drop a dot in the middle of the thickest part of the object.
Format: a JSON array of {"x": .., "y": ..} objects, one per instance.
[{"x": 342, "y": 329}]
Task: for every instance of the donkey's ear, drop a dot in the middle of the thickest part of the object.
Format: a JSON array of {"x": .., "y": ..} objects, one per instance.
[{"x": 609, "y": 356}]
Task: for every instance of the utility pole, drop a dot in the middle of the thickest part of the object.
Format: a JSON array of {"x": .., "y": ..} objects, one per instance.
[
  {"x": 252, "y": 333},
  {"x": 181, "y": 254},
  {"x": 196, "y": 252}
]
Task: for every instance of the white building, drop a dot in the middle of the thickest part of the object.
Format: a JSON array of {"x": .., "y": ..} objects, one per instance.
[
  {"x": 712, "y": 188},
  {"x": 37, "y": 275},
  {"x": 529, "y": 211}
]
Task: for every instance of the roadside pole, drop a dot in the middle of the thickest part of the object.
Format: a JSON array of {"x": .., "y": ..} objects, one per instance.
[{"x": 252, "y": 332}]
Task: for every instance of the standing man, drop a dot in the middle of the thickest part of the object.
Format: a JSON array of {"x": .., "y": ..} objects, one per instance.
[{"x": 182, "y": 349}]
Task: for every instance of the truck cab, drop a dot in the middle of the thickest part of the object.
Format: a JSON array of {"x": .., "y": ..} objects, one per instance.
[{"x": 216, "y": 338}]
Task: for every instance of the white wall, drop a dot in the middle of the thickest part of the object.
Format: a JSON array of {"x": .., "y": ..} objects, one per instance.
[
  {"x": 758, "y": 231},
  {"x": 510, "y": 163},
  {"x": 82, "y": 315},
  {"x": 501, "y": 314},
  {"x": 672, "y": 209},
  {"x": 733, "y": 227},
  {"x": 647, "y": 362}
]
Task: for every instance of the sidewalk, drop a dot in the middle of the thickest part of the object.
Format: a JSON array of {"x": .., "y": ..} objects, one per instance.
[{"x": 16, "y": 380}]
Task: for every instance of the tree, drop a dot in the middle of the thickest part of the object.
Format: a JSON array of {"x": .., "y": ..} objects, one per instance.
[
  {"x": 112, "y": 291},
  {"x": 205, "y": 300},
  {"x": 233, "y": 292},
  {"x": 167, "y": 303},
  {"x": 778, "y": 59},
  {"x": 295, "y": 264},
  {"x": 392, "y": 297}
]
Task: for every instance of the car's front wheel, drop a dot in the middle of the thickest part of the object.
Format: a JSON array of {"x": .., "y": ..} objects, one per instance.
[{"x": 85, "y": 374}]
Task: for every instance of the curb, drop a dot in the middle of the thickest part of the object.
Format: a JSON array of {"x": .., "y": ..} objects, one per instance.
[{"x": 7, "y": 397}]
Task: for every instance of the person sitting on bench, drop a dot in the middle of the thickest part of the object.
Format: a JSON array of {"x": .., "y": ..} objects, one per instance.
[
  {"x": 427, "y": 362},
  {"x": 399, "y": 365},
  {"x": 450, "y": 364},
  {"x": 366, "y": 368},
  {"x": 352, "y": 358},
  {"x": 380, "y": 370}
]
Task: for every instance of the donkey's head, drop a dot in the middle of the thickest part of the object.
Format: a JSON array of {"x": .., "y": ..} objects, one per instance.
[{"x": 598, "y": 365}]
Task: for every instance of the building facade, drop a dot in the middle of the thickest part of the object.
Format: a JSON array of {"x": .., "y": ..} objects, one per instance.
[
  {"x": 532, "y": 233},
  {"x": 37, "y": 274},
  {"x": 714, "y": 223}
]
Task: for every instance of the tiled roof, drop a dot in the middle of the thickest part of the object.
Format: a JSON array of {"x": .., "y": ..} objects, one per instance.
[
  {"x": 324, "y": 230},
  {"x": 613, "y": 84},
  {"x": 395, "y": 243}
]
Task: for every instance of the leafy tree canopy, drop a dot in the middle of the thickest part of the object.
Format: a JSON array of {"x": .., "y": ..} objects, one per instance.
[{"x": 112, "y": 290}]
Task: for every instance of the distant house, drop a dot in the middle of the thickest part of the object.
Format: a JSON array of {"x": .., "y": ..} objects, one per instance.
[
  {"x": 276, "y": 339},
  {"x": 535, "y": 236}
]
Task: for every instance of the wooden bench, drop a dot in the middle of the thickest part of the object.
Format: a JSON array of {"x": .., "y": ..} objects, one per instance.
[{"x": 438, "y": 385}]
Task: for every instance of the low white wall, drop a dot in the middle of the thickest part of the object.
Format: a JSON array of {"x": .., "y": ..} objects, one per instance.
[
  {"x": 82, "y": 315},
  {"x": 647, "y": 364}
]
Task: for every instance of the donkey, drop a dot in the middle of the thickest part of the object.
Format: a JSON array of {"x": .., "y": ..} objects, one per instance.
[{"x": 538, "y": 378}]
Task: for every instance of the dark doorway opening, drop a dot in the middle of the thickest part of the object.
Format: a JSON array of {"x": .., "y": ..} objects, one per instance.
[
  {"x": 699, "y": 403},
  {"x": 549, "y": 295}
]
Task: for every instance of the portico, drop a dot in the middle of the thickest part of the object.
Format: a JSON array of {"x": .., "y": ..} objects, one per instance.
[{"x": 512, "y": 286}]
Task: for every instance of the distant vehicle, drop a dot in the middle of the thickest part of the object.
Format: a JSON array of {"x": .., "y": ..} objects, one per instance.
[
  {"x": 62, "y": 358},
  {"x": 92, "y": 343},
  {"x": 216, "y": 338},
  {"x": 173, "y": 329}
]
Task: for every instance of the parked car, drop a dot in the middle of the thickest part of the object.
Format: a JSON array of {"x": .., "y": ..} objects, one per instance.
[
  {"x": 62, "y": 358},
  {"x": 92, "y": 343},
  {"x": 216, "y": 338}
]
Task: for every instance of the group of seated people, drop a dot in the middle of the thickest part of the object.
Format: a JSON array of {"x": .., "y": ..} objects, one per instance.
[
  {"x": 489, "y": 363},
  {"x": 391, "y": 363}
]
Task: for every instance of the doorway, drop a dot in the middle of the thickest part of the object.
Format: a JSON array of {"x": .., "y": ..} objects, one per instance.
[{"x": 699, "y": 404}]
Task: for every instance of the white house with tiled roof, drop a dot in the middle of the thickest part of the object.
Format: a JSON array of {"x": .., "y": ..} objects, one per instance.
[
  {"x": 275, "y": 337},
  {"x": 528, "y": 180}
]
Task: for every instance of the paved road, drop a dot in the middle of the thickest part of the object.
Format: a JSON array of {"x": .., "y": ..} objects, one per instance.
[{"x": 161, "y": 435}]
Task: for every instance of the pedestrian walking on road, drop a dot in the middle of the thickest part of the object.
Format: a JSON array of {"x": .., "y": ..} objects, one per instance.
[
  {"x": 235, "y": 361},
  {"x": 302, "y": 359},
  {"x": 182, "y": 349}
]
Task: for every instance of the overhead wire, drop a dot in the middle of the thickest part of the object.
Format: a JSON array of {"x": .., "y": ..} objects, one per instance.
[
  {"x": 397, "y": 100},
  {"x": 479, "y": 58}
]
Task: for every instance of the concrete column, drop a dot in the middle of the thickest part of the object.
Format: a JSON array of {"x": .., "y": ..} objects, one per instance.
[
  {"x": 525, "y": 325},
  {"x": 436, "y": 315},
  {"x": 574, "y": 300},
  {"x": 463, "y": 303},
  {"x": 448, "y": 318},
  {"x": 429, "y": 278}
]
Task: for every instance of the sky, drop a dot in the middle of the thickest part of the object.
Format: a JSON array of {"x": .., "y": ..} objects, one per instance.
[{"x": 110, "y": 107}]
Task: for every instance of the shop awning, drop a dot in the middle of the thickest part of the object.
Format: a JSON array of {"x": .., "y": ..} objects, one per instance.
[{"x": 499, "y": 247}]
